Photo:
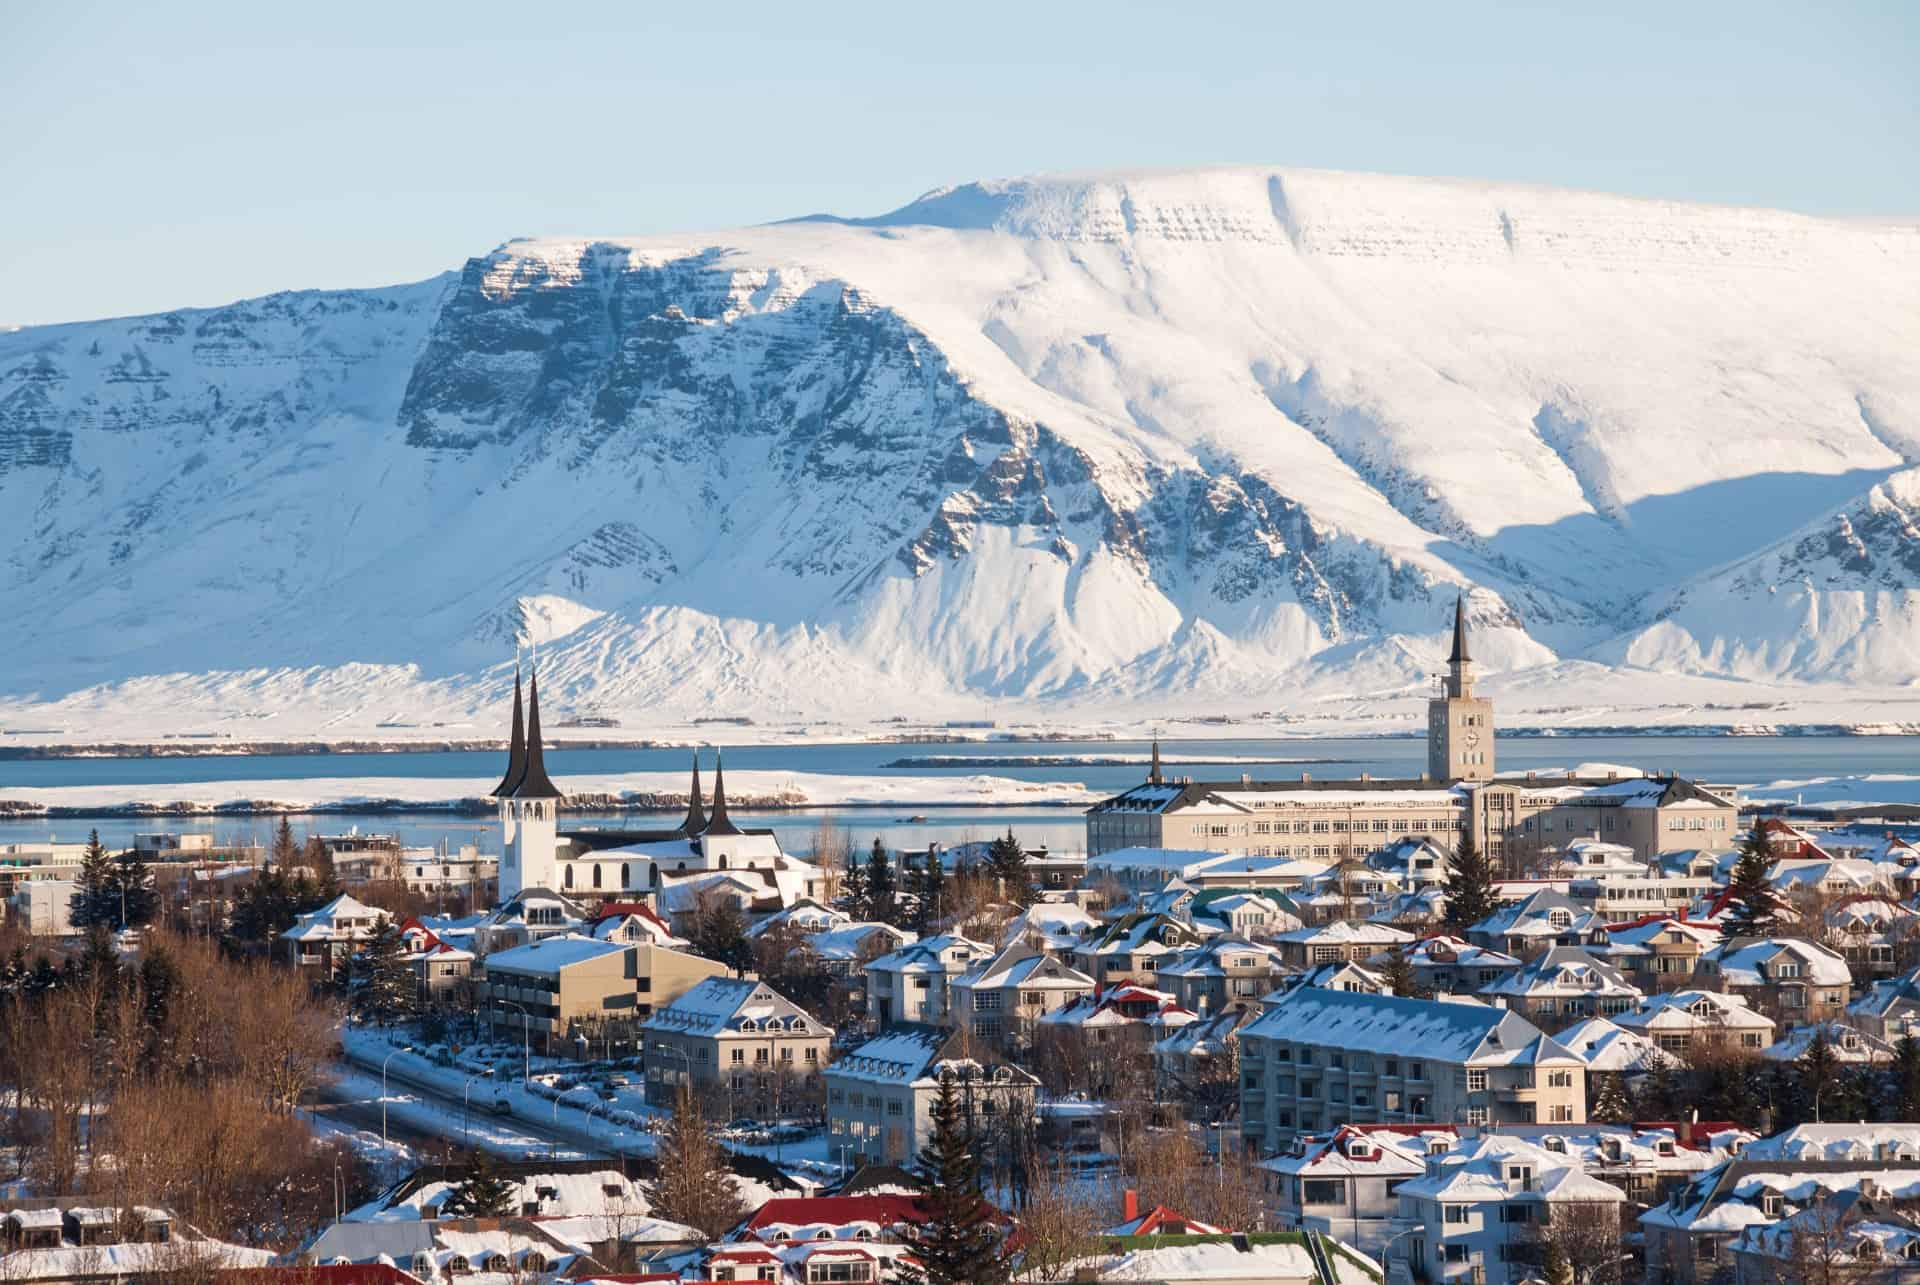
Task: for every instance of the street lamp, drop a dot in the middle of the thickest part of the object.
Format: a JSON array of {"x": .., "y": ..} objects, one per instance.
[
  {"x": 466, "y": 1110},
  {"x": 682, "y": 1055},
  {"x": 526, "y": 1046},
  {"x": 405, "y": 1048}
]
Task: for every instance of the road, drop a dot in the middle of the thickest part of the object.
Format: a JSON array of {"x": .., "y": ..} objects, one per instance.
[{"x": 464, "y": 1123}]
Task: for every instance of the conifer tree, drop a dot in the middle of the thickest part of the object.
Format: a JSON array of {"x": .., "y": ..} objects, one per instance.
[
  {"x": 1398, "y": 973},
  {"x": 483, "y": 1192},
  {"x": 1470, "y": 895},
  {"x": 880, "y": 885},
  {"x": 91, "y": 887},
  {"x": 1819, "y": 1074},
  {"x": 283, "y": 854},
  {"x": 384, "y": 988},
  {"x": 853, "y": 891},
  {"x": 692, "y": 1184},
  {"x": 1007, "y": 862},
  {"x": 719, "y": 932},
  {"x": 1658, "y": 1097},
  {"x": 1906, "y": 1079},
  {"x": 317, "y": 858},
  {"x": 959, "y": 1240},
  {"x": 1753, "y": 909},
  {"x": 134, "y": 901},
  {"x": 1610, "y": 1104}
]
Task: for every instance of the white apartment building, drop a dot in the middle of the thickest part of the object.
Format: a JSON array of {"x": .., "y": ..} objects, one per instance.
[
  {"x": 911, "y": 984},
  {"x": 880, "y": 1096}
]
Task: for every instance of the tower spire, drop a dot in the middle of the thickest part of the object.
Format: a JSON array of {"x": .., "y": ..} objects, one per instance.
[
  {"x": 1153, "y": 773},
  {"x": 1459, "y": 655},
  {"x": 696, "y": 813},
  {"x": 534, "y": 782},
  {"x": 516, "y": 747},
  {"x": 719, "y": 822}
]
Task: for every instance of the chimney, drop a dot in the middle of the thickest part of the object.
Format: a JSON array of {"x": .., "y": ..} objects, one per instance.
[{"x": 1129, "y": 1205}]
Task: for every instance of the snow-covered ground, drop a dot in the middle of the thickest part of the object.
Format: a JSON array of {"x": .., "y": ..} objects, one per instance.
[
  {"x": 1082, "y": 449},
  {"x": 353, "y": 794},
  {"x": 1839, "y": 791}
]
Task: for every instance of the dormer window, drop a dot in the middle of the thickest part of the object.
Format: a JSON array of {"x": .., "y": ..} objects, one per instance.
[{"x": 748, "y": 1024}]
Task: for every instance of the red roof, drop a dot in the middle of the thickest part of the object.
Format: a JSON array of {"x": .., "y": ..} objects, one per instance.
[
  {"x": 330, "y": 1274},
  {"x": 615, "y": 909},
  {"x": 838, "y": 1211}
]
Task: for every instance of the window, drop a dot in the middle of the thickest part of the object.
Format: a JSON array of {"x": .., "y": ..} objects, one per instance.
[
  {"x": 1559, "y": 1079},
  {"x": 1455, "y": 1253},
  {"x": 1515, "y": 1212},
  {"x": 986, "y": 1001},
  {"x": 1476, "y": 1081},
  {"x": 1324, "y": 1191},
  {"x": 1456, "y": 1214}
]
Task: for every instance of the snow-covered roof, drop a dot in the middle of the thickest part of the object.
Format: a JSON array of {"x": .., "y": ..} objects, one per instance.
[
  {"x": 549, "y": 955},
  {"x": 1844, "y": 1044},
  {"x": 730, "y": 1004},
  {"x": 1744, "y": 962},
  {"x": 1347, "y": 932},
  {"x": 1682, "y": 1011},
  {"x": 1400, "y": 1027},
  {"x": 1606, "y": 1047},
  {"x": 1564, "y": 972}
]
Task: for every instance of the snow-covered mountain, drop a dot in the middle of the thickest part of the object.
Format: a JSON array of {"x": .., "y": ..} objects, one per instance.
[{"x": 1213, "y": 440}]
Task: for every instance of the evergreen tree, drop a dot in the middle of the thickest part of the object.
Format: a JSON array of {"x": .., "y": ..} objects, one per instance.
[
  {"x": 1398, "y": 973},
  {"x": 1906, "y": 1079},
  {"x": 317, "y": 859},
  {"x": 1610, "y": 1104},
  {"x": 929, "y": 891},
  {"x": 43, "y": 978},
  {"x": 283, "y": 855},
  {"x": 93, "y": 886},
  {"x": 1554, "y": 1267},
  {"x": 1820, "y": 1075},
  {"x": 959, "y": 1241},
  {"x": 881, "y": 902},
  {"x": 384, "y": 988},
  {"x": 13, "y": 972},
  {"x": 853, "y": 891},
  {"x": 720, "y": 933},
  {"x": 1470, "y": 896},
  {"x": 1007, "y": 862},
  {"x": 1659, "y": 1097},
  {"x": 134, "y": 901},
  {"x": 692, "y": 1184},
  {"x": 99, "y": 962},
  {"x": 159, "y": 984},
  {"x": 483, "y": 1192},
  {"x": 1753, "y": 910}
]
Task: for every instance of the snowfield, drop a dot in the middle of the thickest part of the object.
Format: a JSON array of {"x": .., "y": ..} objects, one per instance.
[{"x": 1084, "y": 448}]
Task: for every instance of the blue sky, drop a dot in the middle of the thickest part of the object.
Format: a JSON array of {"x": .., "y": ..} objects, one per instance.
[{"x": 170, "y": 155}]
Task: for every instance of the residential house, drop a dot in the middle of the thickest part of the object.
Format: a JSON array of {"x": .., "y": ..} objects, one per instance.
[
  {"x": 1538, "y": 921},
  {"x": 323, "y": 940},
  {"x": 1684, "y": 1022},
  {"x": 1605, "y": 1047},
  {"x": 736, "y": 1035},
  {"x": 1562, "y": 985},
  {"x": 1353, "y": 940},
  {"x": 1658, "y": 952},
  {"x": 1858, "y": 1235},
  {"x": 880, "y": 1096},
  {"x": 1227, "y": 972},
  {"x": 1345, "y": 1183},
  {"x": 529, "y": 915},
  {"x": 1453, "y": 964},
  {"x": 1889, "y": 1008},
  {"x": 1197, "y": 1062},
  {"x": 1845, "y": 1044},
  {"x": 1871, "y": 933},
  {"x": 1100, "y": 1039},
  {"x": 441, "y": 970},
  {"x": 1244, "y": 912},
  {"x": 814, "y": 1240},
  {"x": 1131, "y": 948},
  {"x": 633, "y": 923},
  {"x": 1002, "y": 999},
  {"x": 911, "y": 983},
  {"x": 1788, "y": 978},
  {"x": 1053, "y": 926},
  {"x": 1477, "y": 1213},
  {"x": 1318, "y": 1058}
]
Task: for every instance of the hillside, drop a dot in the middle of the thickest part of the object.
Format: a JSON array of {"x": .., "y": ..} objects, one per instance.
[{"x": 1067, "y": 447}]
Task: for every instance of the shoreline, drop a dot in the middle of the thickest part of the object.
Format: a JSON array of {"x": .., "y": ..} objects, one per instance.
[{"x": 218, "y": 747}]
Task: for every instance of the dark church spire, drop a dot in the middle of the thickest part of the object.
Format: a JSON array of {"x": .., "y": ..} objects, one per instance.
[
  {"x": 516, "y": 748},
  {"x": 720, "y": 822},
  {"x": 1153, "y": 773},
  {"x": 534, "y": 782},
  {"x": 1459, "y": 655},
  {"x": 696, "y": 812}
]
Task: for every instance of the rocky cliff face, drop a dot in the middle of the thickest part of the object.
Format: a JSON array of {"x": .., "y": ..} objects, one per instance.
[{"x": 1233, "y": 437}]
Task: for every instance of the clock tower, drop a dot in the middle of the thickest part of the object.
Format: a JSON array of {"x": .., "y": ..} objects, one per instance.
[{"x": 1459, "y": 724}]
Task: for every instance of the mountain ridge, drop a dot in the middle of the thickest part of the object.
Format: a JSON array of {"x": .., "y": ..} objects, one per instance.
[{"x": 1090, "y": 443}]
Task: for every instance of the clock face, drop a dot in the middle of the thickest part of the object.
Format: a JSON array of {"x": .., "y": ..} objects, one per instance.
[{"x": 1472, "y": 739}]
